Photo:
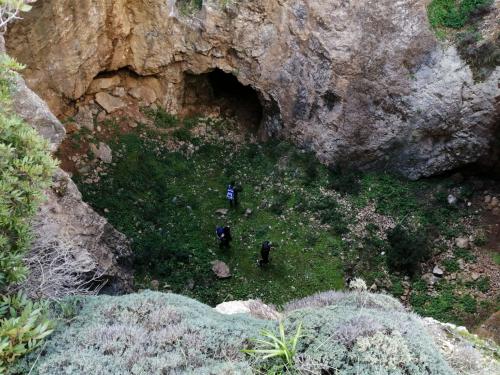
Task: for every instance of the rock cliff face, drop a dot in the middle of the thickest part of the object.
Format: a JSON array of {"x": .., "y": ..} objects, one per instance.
[
  {"x": 363, "y": 83},
  {"x": 64, "y": 219}
]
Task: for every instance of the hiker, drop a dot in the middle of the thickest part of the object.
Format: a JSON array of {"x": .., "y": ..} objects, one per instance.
[
  {"x": 224, "y": 236},
  {"x": 264, "y": 252},
  {"x": 227, "y": 234},
  {"x": 232, "y": 194}
]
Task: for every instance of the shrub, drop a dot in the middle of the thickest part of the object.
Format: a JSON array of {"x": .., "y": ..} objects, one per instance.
[
  {"x": 162, "y": 118},
  {"x": 23, "y": 326},
  {"x": 189, "y": 7},
  {"x": 154, "y": 333},
  {"x": 26, "y": 168},
  {"x": 454, "y": 14},
  {"x": 277, "y": 347},
  {"x": 344, "y": 181},
  {"x": 10, "y": 10},
  {"x": 451, "y": 265},
  {"x": 182, "y": 134},
  {"x": 482, "y": 58},
  {"x": 406, "y": 249}
]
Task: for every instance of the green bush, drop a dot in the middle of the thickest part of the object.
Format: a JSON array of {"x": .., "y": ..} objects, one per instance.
[
  {"x": 345, "y": 182},
  {"x": 189, "y": 7},
  {"x": 407, "y": 249},
  {"x": 454, "y": 14},
  {"x": 23, "y": 326},
  {"x": 162, "y": 118},
  {"x": 482, "y": 57},
  {"x": 182, "y": 134},
  {"x": 451, "y": 265},
  {"x": 26, "y": 168}
]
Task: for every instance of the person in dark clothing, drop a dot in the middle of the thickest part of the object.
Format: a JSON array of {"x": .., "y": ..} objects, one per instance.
[
  {"x": 227, "y": 234},
  {"x": 264, "y": 253},
  {"x": 221, "y": 237},
  {"x": 232, "y": 193}
]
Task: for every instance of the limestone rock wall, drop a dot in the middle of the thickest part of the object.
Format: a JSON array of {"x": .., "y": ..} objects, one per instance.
[
  {"x": 364, "y": 83},
  {"x": 64, "y": 218}
]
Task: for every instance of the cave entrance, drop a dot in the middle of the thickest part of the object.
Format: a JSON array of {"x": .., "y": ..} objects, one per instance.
[{"x": 220, "y": 93}]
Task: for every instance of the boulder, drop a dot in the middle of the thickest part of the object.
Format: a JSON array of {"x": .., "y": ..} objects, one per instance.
[
  {"x": 99, "y": 248},
  {"x": 221, "y": 269},
  {"x": 222, "y": 211},
  {"x": 119, "y": 92},
  {"x": 248, "y": 212},
  {"x": 101, "y": 84},
  {"x": 462, "y": 242},
  {"x": 436, "y": 271},
  {"x": 452, "y": 200},
  {"x": 475, "y": 276},
  {"x": 429, "y": 278},
  {"x": 85, "y": 118},
  {"x": 103, "y": 152},
  {"x": 255, "y": 308},
  {"x": 145, "y": 94},
  {"x": 109, "y": 102}
]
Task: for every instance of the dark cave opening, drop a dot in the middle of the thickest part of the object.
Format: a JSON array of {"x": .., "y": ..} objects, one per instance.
[{"x": 218, "y": 92}]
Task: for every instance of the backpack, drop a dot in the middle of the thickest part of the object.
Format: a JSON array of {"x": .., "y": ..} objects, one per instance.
[
  {"x": 219, "y": 231},
  {"x": 230, "y": 193}
]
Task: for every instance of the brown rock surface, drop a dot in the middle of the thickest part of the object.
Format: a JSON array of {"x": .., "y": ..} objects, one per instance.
[
  {"x": 109, "y": 102},
  {"x": 64, "y": 218},
  {"x": 362, "y": 85}
]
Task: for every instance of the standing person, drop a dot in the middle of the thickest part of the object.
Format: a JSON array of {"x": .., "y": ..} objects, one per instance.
[
  {"x": 221, "y": 237},
  {"x": 227, "y": 235},
  {"x": 264, "y": 252},
  {"x": 233, "y": 191},
  {"x": 231, "y": 195}
]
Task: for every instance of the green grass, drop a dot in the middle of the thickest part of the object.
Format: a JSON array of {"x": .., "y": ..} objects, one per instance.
[
  {"x": 166, "y": 202},
  {"x": 167, "y": 205},
  {"x": 496, "y": 258}
]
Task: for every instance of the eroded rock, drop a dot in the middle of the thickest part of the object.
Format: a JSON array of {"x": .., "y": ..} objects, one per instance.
[{"x": 362, "y": 86}]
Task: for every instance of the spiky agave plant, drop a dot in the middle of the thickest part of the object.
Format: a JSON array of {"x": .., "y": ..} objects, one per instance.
[{"x": 273, "y": 346}]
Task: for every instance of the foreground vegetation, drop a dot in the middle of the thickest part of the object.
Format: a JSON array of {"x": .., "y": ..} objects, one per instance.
[
  {"x": 26, "y": 168},
  {"x": 354, "y": 333},
  {"x": 327, "y": 225}
]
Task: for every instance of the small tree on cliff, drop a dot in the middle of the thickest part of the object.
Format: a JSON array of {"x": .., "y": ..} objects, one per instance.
[{"x": 10, "y": 10}]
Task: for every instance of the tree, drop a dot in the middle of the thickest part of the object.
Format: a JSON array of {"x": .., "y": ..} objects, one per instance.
[{"x": 10, "y": 10}]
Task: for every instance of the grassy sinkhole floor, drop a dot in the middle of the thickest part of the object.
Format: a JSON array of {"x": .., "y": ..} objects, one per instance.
[{"x": 166, "y": 184}]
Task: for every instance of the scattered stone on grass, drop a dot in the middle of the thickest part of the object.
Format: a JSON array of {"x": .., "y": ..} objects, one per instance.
[
  {"x": 221, "y": 269},
  {"x": 436, "y": 271}
]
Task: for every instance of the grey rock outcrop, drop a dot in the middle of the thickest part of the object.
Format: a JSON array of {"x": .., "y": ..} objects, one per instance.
[
  {"x": 64, "y": 218},
  {"x": 365, "y": 85}
]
